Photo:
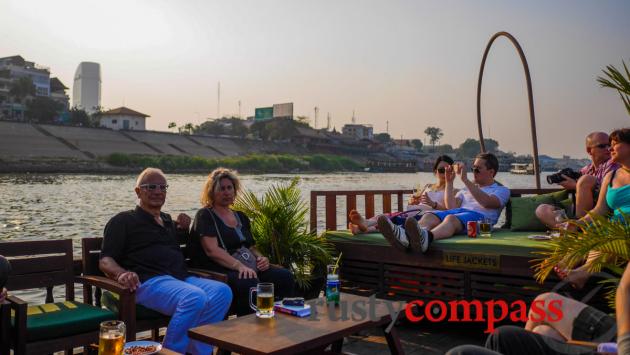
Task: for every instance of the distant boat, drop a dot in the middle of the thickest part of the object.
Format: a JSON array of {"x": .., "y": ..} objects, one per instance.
[{"x": 522, "y": 169}]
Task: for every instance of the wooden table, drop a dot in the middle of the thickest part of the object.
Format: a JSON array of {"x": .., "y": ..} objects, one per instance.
[{"x": 286, "y": 334}]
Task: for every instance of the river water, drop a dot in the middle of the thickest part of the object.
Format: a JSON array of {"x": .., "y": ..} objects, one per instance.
[{"x": 57, "y": 206}]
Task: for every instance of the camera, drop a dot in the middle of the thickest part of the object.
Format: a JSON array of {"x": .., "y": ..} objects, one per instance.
[{"x": 557, "y": 177}]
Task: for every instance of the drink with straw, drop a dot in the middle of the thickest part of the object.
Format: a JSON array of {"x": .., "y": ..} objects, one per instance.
[{"x": 333, "y": 285}]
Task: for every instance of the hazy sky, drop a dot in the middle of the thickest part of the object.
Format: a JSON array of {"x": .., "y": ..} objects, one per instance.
[{"x": 414, "y": 63}]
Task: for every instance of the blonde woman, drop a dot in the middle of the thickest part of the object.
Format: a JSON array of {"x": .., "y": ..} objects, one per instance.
[{"x": 219, "y": 232}]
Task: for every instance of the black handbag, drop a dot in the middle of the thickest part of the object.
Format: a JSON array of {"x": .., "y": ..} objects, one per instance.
[{"x": 242, "y": 254}]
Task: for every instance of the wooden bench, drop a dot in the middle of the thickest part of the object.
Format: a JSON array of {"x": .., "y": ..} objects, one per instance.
[{"x": 455, "y": 268}]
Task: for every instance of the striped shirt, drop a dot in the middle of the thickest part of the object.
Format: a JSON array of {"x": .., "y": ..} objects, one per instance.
[{"x": 600, "y": 171}]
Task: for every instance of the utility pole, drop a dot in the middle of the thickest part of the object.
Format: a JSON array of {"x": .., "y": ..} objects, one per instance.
[
  {"x": 219, "y": 100},
  {"x": 328, "y": 122},
  {"x": 354, "y": 119},
  {"x": 387, "y": 127},
  {"x": 316, "y": 109},
  {"x": 239, "y": 109}
]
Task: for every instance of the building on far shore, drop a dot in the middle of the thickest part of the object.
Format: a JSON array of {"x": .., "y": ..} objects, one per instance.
[
  {"x": 86, "y": 91},
  {"x": 123, "y": 118},
  {"x": 358, "y": 131},
  {"x": 14, "y": 68}
]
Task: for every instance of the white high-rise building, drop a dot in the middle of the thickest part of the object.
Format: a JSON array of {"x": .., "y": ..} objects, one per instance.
[{"x": 86, "y": 92}]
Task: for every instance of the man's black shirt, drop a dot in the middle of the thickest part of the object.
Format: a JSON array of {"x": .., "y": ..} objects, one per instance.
[{"x": 139, "y": 244}]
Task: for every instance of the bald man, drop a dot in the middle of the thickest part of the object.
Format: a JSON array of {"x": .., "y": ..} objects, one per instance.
[
  {"x": 587, "y": 186},
  {"x": 141, "y": 252}
]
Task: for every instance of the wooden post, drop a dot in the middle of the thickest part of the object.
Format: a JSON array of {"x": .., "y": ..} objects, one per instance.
[
  {"x": 331, "y": 212},
  {"x": 369, "y": 205},
  {"x": 313, "y": 211},
  {"x": 387, "y": 202}
]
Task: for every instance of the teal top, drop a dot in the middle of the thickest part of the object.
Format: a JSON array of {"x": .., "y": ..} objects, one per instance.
[{"x": 618, "y": 200}]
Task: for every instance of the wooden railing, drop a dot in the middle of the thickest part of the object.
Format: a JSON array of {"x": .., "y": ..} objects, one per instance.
[{"x": 369, "y": 195}]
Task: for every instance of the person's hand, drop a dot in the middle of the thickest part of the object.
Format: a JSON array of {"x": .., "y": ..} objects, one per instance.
[
  {"x": 568, "y": 183},
  {"x": 183, "y": 221},
  {"x": 425, "y": 199},
  {"x": 414, "y": 200},
  {"x": 245, "y": 273},
  {"x": 3, "y": 295},
  {"x": 449, "y": 173},
  {"x": 129, "y": 280},
  {"x": 460, "y": 170},
  {"x": 262, "y": 263}
]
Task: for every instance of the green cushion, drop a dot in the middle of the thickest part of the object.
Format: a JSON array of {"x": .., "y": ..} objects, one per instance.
[
  {"x": 56, "y": 320},
  {"x": 110, "y": 301},
  {"x": 502, "y": 242},
  {"x": 524, "y": 210}
]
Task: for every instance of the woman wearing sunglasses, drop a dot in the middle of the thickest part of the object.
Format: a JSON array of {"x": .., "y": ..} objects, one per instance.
[{"x": 431, "y": 197}]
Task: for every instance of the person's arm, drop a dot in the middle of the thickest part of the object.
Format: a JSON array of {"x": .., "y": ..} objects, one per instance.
[
  {"x": 622, "y": 303},
  {"x": 210, "y": 245},
  {"x": 110, "y": 267},
  {"x": 3, "y": 295},
  {"x": 601, "y": 208},
  {"x": 484, "y": 199},
  {"x": 262, "y": 262},
  {"x": 113, "y": 247},
  {"x": 450, "y": 201}
]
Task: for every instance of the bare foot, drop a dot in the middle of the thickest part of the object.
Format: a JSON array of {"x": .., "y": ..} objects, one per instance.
[
  {"x": 358, "y": 220},
  {"x": 354, "y": 228}
]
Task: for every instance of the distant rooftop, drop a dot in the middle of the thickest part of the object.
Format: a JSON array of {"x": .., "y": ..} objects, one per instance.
[{"x": 124, "y": 111}]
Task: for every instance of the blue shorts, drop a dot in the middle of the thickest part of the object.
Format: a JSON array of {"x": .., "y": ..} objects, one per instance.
[{"x": 462, "y": 214}]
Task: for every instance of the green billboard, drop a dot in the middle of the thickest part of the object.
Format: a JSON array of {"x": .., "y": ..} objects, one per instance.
[{"x": 263, "y": 113}]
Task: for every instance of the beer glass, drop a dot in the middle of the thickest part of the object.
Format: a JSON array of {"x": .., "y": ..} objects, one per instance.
[
  {"x": 264, "y": 300},
  {"x": 111, "y": 338},
  {"x": 485, "y": 228}
]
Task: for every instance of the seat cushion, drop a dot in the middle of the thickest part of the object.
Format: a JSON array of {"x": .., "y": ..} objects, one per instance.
[
  {"x": 524, "y": 210},
  {"x": 110, "y": 301},
  {"x": 502, "y": 242},
  {"x": 61, "y": 319}
]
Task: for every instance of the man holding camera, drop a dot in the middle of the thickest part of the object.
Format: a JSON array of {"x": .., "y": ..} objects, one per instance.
[{"x": 586, "y": 187}]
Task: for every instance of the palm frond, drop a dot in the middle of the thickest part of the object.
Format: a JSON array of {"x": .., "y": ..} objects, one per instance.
[
  {"x": 614, "y": 79},
  {"x": 605, "y": 242}
]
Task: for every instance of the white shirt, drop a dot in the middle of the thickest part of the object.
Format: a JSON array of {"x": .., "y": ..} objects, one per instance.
[{"x": 470, "y": 203}]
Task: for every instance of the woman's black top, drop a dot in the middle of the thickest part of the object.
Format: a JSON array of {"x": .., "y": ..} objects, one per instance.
[{"x": 204, "y": 226}]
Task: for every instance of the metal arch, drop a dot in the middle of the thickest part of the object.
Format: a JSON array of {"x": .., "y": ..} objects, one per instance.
[{"x": 532, "y": 117}]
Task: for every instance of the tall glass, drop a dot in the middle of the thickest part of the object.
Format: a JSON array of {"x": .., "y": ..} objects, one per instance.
[
  {"x": 111, "y": 338},
  {"x": 333, "y": 285},
  {"x": 264, "y": 299},
  {"x": 485, "y": 228}
]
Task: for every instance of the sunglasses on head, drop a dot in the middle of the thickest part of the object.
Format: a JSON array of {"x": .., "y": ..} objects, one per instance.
[
  {"x": 602, "y": 145},
  {"x": 154, "y": 187}
]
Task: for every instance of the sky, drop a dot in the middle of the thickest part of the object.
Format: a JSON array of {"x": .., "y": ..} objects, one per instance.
[{"x": 411, "y": 63}]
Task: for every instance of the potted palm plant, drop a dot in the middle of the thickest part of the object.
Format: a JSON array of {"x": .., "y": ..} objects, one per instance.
[{"x": 280, "y": 228}]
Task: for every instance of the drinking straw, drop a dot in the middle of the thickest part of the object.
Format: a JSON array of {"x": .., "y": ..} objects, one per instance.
[{"x": 337, "y": 263}]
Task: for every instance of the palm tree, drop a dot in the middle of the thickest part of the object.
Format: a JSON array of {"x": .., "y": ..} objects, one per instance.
[
  {"x": 434, "y": 133},
  {"x": 280, "y": 229},
  {"x": 615, "y": 79}
]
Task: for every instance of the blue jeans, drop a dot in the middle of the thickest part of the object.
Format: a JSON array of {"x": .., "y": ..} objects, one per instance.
[{"x": 190, "y": 303}]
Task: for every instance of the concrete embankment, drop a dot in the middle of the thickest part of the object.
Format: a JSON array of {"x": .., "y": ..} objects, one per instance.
[{"x": 26, "y": 147}]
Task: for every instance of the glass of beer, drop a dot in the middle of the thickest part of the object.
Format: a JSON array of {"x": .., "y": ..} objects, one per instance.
[
  {"x": 485, "y": 228},
  {"x": 264, "y": 299},
  {"x": 111, "y": 338}
]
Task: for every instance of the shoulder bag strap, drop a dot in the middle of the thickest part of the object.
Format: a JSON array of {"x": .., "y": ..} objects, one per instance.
[{"x": 216, "y": 227}]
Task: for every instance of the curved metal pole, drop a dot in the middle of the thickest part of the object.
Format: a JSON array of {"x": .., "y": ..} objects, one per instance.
[{"x": 532, "y": 117}]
